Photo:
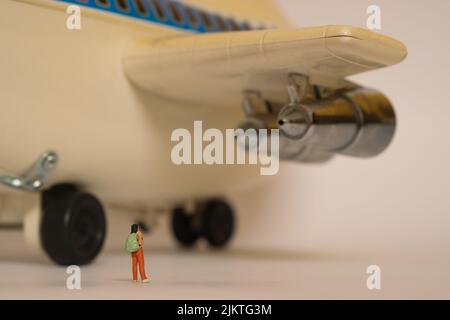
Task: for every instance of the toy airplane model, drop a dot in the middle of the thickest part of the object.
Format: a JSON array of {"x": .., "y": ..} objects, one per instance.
[{"x": 96, "y": 107}]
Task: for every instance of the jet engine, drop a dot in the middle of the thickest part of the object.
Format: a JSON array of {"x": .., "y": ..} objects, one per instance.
[{"x": 317, "y": 124}]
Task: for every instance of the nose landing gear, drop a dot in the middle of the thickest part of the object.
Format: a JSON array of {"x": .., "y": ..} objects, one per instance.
[
  {"x": 73, "y": 225},
  {"x": 69, "y": 225}
]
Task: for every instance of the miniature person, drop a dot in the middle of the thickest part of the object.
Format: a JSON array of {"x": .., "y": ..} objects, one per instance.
[{"x": 137, "y": 257}]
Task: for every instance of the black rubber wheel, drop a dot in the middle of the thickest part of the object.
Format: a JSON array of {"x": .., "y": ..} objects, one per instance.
[
  {"x": 73, "y": 226},
  {"x": 217, "y": 223},
  {"x": 182, "y": 228}
]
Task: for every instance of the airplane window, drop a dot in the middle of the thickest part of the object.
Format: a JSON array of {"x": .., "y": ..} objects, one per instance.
[
  {"x": 142, "y": 10},
  {"x": 221, "y": 23},
  {"x": 246, "y": 26},
  {"x": 103, "y": 3},
  {"x": 261, "y": 27},
  {"x": 233, "y": 24},
  {"x": 174, "y": 10},
  {"x": 193, "y": 19},
  {"x": 159, "y": 10},
  {"x": 206, "y": 20},
  {"x": 123, "y": 5}
]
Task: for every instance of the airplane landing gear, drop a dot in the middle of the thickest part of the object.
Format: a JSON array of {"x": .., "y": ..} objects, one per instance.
[
  {"x": 212, "y": 219},
  {"x": 183, "y": 228},
  {"x": 70, "y": 225}
]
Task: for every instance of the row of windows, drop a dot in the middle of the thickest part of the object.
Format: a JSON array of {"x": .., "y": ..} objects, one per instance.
[{"x": 178, "y": 13}]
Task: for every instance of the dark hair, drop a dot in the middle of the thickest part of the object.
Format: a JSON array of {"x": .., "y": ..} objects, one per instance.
[{"x": 134, "y": 228}]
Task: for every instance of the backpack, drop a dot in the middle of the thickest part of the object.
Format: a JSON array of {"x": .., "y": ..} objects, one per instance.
[{"x": 132, "y": 245}]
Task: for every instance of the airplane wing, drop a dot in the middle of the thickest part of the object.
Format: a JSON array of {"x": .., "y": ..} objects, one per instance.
[{"x": 214, "y": 69}]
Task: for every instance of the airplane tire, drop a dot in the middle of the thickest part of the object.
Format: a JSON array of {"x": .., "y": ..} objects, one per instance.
[
  {"x": 217, "y": 223},
  {"x": 182, "y": 228},
  {"x": 73, "y": 226}
]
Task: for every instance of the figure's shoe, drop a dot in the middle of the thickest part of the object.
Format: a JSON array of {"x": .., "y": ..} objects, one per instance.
[
  {"x": 135, "y": 281},
  {"x": 146, "y": 280}
]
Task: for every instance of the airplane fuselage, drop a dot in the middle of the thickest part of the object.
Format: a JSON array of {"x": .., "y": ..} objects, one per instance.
[{"x": 65, "y": 90}]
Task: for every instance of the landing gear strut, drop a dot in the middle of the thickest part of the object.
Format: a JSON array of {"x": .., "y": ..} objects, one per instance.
[{"x": 212, "y": 219}]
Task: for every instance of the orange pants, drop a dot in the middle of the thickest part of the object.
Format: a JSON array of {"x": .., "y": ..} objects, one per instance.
[{"x": 138, "y": 258}]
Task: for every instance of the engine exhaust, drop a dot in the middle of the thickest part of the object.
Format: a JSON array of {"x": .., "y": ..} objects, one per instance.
[{"x": 359, "y": 122}]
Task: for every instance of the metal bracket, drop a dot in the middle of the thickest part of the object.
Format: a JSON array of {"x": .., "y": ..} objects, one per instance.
[
  {"x": 254, "y": 104},
  {"x": 300, "y": 89},
  {"x": 33, "y": 179}
]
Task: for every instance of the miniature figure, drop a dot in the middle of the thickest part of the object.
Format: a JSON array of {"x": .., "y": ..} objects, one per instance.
[{"x": 133, "y": 245}]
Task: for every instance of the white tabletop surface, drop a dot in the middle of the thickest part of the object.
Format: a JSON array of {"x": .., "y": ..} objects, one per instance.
[{"x": 234, "y": 274}]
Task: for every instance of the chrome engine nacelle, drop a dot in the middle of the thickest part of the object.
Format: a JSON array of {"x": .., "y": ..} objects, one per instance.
[{"x": 354, "y": 121}]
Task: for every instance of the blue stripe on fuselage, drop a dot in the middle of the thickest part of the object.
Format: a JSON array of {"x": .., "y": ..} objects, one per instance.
[{"x": 183, "y": 23}]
